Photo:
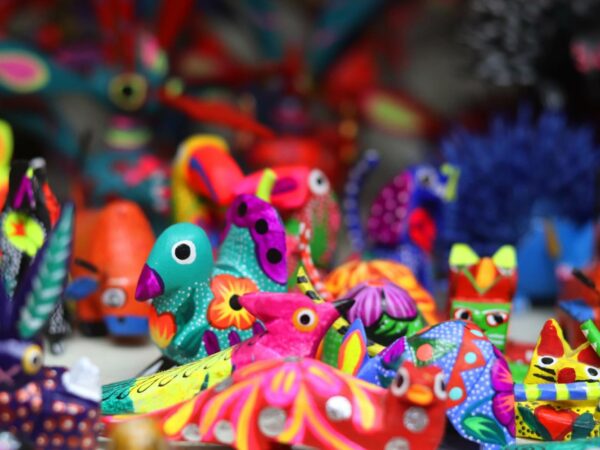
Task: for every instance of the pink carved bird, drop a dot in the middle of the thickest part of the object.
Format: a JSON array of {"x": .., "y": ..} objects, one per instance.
[{"x": 294, "y": 326}]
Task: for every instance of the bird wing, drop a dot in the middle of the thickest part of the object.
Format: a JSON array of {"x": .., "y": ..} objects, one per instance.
[
  {"x": 166, "y": 388},
  {"x": 255, "y": 244}
]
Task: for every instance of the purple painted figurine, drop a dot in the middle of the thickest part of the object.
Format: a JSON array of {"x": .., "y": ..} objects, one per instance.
[{"x": 51, "y": 408}]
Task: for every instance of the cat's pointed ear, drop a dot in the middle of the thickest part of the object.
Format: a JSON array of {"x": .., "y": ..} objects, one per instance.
[
  {"x": 45, "y": 281},
  {"x": 550, "y": 347},
  {"x": 462, "y": 255},
  {"x": 552, "y": 341}
]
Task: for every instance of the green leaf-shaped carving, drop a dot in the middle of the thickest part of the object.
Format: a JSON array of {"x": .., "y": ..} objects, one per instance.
[{"x": 484, "y": 429}]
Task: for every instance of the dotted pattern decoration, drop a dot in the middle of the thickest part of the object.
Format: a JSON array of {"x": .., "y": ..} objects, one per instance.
[
  {"x": 261, "y": 219},
  {"x": 388, "y": 215},
  {"x": 351, "y": 205},
  {"x": 49, "y": 416}
]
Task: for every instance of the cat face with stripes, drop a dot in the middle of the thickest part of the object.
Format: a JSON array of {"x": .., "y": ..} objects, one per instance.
[{"x": 554, "y": 361}]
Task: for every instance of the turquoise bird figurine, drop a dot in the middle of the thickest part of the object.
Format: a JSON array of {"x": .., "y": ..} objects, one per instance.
[
  {"x": 294, "y": 327},
  {"x": 195, "y": 302}
]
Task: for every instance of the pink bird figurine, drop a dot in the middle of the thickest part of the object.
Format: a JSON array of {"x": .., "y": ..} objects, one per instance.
[{"x": 294, "y": 327}]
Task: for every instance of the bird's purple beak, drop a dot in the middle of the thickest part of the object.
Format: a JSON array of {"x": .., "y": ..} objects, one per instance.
[{"x": 150, "y": 284}]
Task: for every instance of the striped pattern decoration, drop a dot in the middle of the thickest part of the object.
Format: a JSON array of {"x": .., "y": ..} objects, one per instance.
[
  {"x": 351, "y": 204},
  {"x": 579, "y": 390},
  {"x": 48, "y": 280},
  {"x": 591, "y": 333},
  {"x": 307, "y": 261}
]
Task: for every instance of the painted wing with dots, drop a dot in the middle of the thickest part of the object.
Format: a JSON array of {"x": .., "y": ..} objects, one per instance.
[{"x": 254, "y": 248}]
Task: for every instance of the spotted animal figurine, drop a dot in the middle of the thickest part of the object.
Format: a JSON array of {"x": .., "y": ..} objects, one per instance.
[
  {"x": 294, "y": 326},
  {"x": 303, "y": 402},
  {"x": 195, "y": 309},
  {"x": 404, "y": 217},
  {"x": 481, "y": 289},
  {"x": 52, "y": 408},
  {"x": 479, "y": 383},
  {"x": 559, "y": 395}
]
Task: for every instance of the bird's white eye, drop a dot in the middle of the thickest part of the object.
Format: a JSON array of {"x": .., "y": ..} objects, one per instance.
[
  {"x": 304, "y": 319},
  {"x": 593, "y": 372},
  {"x": 318, "y": 182},
  {"x": 400, "y": 384},
  {"x": 439, "y": 386},
  {"x": 184, "y": 252},
  {"x": 505, "y": 271},
  {"x": 114, "y": 297},
  {"x": 546, "y": 361}
]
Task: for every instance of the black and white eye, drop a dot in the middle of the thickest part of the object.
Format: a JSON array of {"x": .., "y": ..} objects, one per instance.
[
  {"x": 546, "y": 361},
  {"x": 114, "y": 297},
  {"x": 318, "y": 182},
  {"x": 463, "y": 314},
  {"x": 184, "y": 252},
  {"x": 439, "y": 386},
  {"x": 593, "y": 372},
  {"x": 496, "y": 318},
  {"x": 400, "y": 384}
]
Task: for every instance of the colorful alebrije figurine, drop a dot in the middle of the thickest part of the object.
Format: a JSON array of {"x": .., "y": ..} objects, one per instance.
[
  {"x": 558, "y": 399},
  {"x": 30, "y": 212},
  {"x": 195, "y": 309},
  {"x": 294, "y": 326},
  {"x": 481, "y": 289},
  {"x": 205, "y": 169},
  {"x": 479, "y": 383},
  {"x": 303, "y": 402},
  {"x": 54, "y": 408},
  {"x": 404, "y": 217},
  {"x": 111, "y": 246},
  {"x": 387, "y": 311},
  {"x": 350, "y": 274}
]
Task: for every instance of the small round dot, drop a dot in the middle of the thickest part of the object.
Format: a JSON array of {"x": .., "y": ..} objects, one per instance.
[
  {"x": 455, "y": 393},
  {"x": 470, "y": 358},
  {"x": 261, "y": 226},
  {"x": 274, "y": 256},
  {"x": 425, "y": 352},
  {"x": 242, "y": 209}
]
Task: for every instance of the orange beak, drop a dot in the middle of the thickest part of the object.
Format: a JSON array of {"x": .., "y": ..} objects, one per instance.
[
  {"x": 420, "y": 395},
  {"x": 486, "y": 274}
]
